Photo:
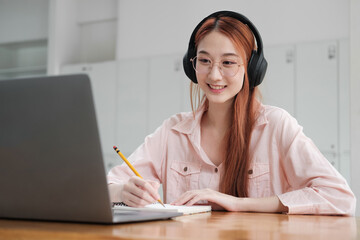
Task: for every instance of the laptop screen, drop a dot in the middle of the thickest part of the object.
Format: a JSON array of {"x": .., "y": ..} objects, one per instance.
[{"x": 51, "y": 162}]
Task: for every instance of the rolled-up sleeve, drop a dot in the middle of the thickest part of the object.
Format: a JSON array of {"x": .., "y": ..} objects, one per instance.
[{"x": 315, "y": 186}]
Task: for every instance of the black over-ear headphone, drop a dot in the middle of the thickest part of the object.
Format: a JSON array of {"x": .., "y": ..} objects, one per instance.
[{"x": 257, "y": 64}]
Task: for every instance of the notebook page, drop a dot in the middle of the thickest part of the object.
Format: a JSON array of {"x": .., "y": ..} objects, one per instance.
[
  {"x": 183, "y": 209},
  {"x": 168, "y": 208}
]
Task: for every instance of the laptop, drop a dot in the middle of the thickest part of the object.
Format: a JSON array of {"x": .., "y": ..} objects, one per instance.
[{"x": 51, "y": 165}]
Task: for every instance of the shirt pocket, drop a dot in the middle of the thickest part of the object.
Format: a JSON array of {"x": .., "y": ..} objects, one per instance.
[
  {"x": 259, "y": 180},
  {"x": 186, "y": 174}
]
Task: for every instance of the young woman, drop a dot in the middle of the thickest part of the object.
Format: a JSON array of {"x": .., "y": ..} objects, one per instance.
[{"x": 232, "y": 152}]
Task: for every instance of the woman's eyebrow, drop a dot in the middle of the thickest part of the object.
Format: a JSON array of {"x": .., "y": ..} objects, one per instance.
[
  {"x": 203, "y": 52},
  {"x": 223, "y": 55},
  {"x": 230, "y": 55}
]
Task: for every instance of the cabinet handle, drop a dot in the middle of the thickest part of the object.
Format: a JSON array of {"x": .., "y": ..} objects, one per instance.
[
  {"x": 332, "y": 52},
  {"x": 289, "y": 56},
  {"x": 86, "y": 68}
]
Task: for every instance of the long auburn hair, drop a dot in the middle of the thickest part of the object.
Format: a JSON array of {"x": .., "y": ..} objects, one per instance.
[{"x": 234, "y": 180}]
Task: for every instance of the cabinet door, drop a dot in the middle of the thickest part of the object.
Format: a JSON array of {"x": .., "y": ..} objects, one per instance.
[
  {"x": 103, "y": 83},
  {"x": 166, "y": 89},
  {"x": 132, "y": 104},
  {"x": 317, "y": 95},
  {"x": 277, "y": 89},
  {"x": 344, "y": 109}
]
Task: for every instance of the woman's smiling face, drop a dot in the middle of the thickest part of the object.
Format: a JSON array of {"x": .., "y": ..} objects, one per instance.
[{"x": 218, "y": 85}]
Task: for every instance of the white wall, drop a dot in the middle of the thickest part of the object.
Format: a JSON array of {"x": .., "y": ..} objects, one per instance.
[{"x": 159, "y": 27}]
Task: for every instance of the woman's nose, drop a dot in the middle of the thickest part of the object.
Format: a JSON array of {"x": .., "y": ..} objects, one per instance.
[{"x": 215, "y": 72}]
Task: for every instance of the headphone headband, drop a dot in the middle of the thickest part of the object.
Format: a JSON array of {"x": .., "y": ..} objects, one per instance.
[{"x": 257, "y": 64}]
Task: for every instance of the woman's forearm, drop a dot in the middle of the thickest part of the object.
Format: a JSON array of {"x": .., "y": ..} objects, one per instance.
[{"x": 267, "y": 204}]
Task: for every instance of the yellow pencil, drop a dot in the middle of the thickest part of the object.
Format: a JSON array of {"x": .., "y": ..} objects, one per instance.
[{"x": 132, "y": 168}]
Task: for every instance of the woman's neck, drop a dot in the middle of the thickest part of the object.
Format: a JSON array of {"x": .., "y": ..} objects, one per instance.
[
  {"x": 215, "y": 125},
  {"x": 218, "y": 116}
]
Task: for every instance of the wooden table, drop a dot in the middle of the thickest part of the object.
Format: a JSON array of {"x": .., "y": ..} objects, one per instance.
[{"x": 215, "y": 225}]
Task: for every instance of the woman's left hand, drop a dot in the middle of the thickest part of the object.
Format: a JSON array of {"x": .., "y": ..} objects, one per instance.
[{"x": 218, "y": 201}]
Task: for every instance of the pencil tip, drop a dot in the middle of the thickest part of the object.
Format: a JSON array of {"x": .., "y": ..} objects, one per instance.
[
  {"x": 161, "y": 202},
  {"x": 115, "y": 147}
]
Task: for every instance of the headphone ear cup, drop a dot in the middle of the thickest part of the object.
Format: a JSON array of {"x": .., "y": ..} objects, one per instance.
[
  {"x": 256, "y": 69},
  {"x": 262, "y": 70},
  {"x": 188, "y": 68}
]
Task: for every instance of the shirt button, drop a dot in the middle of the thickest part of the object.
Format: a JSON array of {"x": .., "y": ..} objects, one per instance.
[
  {"x": 185, "y": 169},
  {"x": 216, "y": 170},
  {"x": 250, "y": 171}
]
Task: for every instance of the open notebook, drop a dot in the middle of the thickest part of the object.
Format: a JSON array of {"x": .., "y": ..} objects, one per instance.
[{"x": 168, "y": 208}]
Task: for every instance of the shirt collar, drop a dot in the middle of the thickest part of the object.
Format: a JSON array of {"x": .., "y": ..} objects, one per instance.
[
  {"x": 261, "y": 118},
  {"x": 192, "y": 122}
]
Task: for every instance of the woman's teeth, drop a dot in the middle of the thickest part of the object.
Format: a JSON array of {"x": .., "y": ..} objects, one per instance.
[{"x": 217, "y": 87}]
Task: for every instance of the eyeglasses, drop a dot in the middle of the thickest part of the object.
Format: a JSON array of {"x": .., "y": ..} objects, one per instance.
[{"x": 228, "y": 66}]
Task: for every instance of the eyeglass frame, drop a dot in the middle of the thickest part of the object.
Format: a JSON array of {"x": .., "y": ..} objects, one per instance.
[{"x": 192, "y": 60}]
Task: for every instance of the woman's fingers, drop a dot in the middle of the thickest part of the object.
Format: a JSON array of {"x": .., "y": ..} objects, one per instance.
[
  {"x": 186, "y": 198},
  {"x": 139, "y": 192},
  {"x": 149, "y": 186},
  {"x": 214, "y": 198},
  {"x": 133, "y": 200}
]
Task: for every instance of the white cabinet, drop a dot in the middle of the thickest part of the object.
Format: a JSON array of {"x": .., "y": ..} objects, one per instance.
[
  {"x": 278, "y": 86},
  {"x": 133, "y": 97},
  {"x": 317, "y": 95},
  {"x": 132, "y": 104},
  {"x": 310, "y": 81},
  {"x": 167, "y": 89},
  {"x": 149, "y": 91},
  {"x": 103, "y": 78}
]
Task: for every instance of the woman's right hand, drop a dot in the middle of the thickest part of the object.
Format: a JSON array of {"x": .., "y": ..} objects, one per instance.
[{"x": 137, "y": 192}]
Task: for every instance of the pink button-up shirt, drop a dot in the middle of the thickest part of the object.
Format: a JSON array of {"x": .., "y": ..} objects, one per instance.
[{"x": 284, "y": 162}]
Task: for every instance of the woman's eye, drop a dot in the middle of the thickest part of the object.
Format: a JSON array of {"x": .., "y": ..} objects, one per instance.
[
  {"x": 228, "y": 63},
  {"x": 204, "y": 61}
]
